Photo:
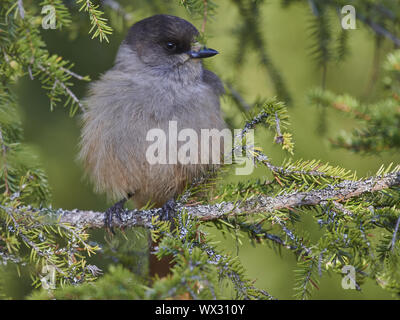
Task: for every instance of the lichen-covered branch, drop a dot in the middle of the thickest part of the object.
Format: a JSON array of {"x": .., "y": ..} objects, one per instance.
[{"x": 339, "y": 193}]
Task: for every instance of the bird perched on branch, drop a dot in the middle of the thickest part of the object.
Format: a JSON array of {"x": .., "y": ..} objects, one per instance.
[{"x": 158, "y": 77}]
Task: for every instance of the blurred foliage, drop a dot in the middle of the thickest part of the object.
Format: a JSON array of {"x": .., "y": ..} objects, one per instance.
[
  {"x": 117, "y": 284},
  {"x": 379, "y": 122},
  {"x": 331, "y": 238}
]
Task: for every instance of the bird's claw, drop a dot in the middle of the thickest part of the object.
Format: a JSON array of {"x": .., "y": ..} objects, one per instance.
[
  {"x": 168, "y": 210},
  {"x": 116, "y": 210}
]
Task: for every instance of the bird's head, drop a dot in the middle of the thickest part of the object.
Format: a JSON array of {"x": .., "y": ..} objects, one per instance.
[{"x": 167, "y": 44}]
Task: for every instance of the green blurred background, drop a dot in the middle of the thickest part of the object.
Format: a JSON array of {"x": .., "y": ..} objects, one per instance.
[{"x": 55, "y": 135}]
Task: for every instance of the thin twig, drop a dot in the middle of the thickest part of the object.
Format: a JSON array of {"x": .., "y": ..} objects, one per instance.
[
  {"x": 43, "y": 254},
  {"x": 114, "y": 5},
  {"x": 244, "y": 106},
  {"x": 21, "y": 9},
  {"x": 71, "y": 73},
  {"x": 67, "y": 90},
  {"x": 314, "y": 8},
  {"x": 30, "y": 73},
  {"x": 396, "y": 230},
  {"x": 379, "y": 29},
  {"x": 71, "y": 94},
  {"x": 203, "y": 25},
  {"x": 279, "y": 137},
  {"x": 4, "y": 153}
]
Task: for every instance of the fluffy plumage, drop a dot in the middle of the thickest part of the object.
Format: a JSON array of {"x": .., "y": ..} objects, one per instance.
[{"x": 149, "y": 85}]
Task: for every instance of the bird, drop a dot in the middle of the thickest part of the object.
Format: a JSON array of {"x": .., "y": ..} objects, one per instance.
[{"x": 158, "y": 77}]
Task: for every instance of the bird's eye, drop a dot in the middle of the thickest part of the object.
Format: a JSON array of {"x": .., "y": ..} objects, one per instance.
[{"x": 171, "y": 45}]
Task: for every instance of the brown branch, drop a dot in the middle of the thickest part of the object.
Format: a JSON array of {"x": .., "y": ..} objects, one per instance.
[
  {"x": 262, "y": 203},
  {"x": 345, "y": 108}
]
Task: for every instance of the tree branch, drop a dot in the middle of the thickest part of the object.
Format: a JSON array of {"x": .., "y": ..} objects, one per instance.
[
  {"x": 143, "y": 218},
  {"x": 378, "y": 29}
]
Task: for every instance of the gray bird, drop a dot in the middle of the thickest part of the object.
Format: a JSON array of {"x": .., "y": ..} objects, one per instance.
[{"x": 158, "y": 77}]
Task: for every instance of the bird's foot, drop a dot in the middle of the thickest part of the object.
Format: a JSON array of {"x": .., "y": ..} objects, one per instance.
[
  {"x": 168, "y": 210},
  {"x": 116, "y": 210}
]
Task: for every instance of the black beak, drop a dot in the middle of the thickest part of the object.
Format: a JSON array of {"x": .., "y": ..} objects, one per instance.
[{"x": 203, "y": 53}]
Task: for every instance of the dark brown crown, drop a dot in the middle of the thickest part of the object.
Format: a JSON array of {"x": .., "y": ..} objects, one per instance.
[{"x": 160, "y": 29}]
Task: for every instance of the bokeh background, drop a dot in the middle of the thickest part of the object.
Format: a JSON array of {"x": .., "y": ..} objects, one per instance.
[{"x": 55, "y": 134}]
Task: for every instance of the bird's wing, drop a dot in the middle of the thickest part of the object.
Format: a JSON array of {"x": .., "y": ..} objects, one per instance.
[{"x": 211, "y": 79}]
